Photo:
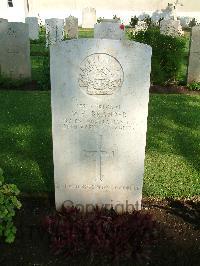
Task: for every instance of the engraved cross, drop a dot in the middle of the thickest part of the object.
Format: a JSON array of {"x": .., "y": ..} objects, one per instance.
[{"x": 99, "y": 152}]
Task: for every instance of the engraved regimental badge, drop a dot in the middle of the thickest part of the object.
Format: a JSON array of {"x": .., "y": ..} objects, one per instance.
[{"x": 100, "y": 74}]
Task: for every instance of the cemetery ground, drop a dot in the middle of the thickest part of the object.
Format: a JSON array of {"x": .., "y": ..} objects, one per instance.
[
  {"x": 171, "y": 181},
  {"x": 171, "y": 173}
]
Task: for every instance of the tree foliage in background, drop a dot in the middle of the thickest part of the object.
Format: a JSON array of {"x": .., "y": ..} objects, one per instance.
[
  {"x": 44, "y": 82},
  {"x": 167, "y": 54},
  {"x": 148, "y": 20},
  {"x": 8, "y": 204},
  {"x": 193, "y": 23},
  {"x": 134, "y": 21}
]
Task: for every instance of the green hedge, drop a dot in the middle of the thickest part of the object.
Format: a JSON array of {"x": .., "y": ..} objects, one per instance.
[{"x": 168, "y": 55}]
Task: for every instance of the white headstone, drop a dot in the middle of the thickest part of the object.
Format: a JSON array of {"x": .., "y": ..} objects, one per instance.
[
  {"x": 100, "y": 93},
  {"x": 71, "y": 27},
  {"x": 194, "y": 58},
  {"x": 89, "y": 17},
  {"x": 171, "y": 28},
  {"x": 109, "y": 30},
  {"x": 3, "y": 30},
  {"x": 33, "y": 27},
  {"x": 185, "y": 21},
  {"x": 54, "y": 30},
  {"x": 15, "y": 51},
  {"x": 114, "y": 20}
]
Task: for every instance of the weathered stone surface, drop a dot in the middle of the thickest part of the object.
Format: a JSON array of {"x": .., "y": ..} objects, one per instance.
[
  {"x": 109, "y": 30},
  {"x": 33, "y": 27},
  {"x": 15, "y": 50},
  {"x": 3, "y": 29},
  {"x": 54, "y": 30},
  {"x": 100, "y": 93},
  {"x": 89, "y": 17},
  {"x": 115, "y": 20},
  {"x": 185, "y": 21},
  {"x": 171, "y": 27},
  {"x": 194, "y": 58},
  {"x": 71, "y": 27}
]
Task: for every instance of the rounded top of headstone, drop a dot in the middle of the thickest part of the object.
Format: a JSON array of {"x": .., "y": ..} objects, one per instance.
[
  {"x": 115, "y": 20},
  {"x": 90, "y": 9}
]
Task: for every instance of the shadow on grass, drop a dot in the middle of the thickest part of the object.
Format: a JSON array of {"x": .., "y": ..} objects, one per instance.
[
  {"x": 174, "y": 127},
  {"x": 26, "y": 141}
]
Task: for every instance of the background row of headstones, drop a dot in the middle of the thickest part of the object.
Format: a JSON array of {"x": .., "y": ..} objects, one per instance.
[{"x": 15, "y": 45}]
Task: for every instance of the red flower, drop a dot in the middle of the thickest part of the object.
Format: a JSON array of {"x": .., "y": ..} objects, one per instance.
[{"x": 122, "y": 27}]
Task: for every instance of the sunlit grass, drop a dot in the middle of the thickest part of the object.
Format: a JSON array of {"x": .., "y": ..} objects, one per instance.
[{"x": 172, "y": 165}]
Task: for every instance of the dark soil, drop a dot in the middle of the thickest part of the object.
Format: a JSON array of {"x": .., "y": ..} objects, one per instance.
[
  {"x": 178, "y": 240},
  {"x": 27, "y": 86},
  {"x": 172, "y": 90}
]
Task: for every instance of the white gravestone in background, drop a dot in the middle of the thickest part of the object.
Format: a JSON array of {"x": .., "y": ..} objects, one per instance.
[
  {"x": 171, "y": 28},
  {"x": 109, "y": 30},
  {"x": 3, "y": 30},
  {"x": 33, "y": 27},
  {"x": 194, "y": 58},
  {"x": 100, "y": 94},
  {"x": 54, "y": 30},
  {"x": 15, "y": 57},
  {"x": 185, "y": 21},
  {"x": 89, "y": 17},
  {"x": 71, "y": 27}
]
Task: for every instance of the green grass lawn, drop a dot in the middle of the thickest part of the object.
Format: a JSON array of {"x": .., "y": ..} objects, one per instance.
[
  {"x": 86, "y": 33},
  {"x": 172, "y": 166}
]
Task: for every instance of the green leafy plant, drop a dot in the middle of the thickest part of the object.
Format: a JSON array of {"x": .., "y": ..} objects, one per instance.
[
  {"x": 8, "y": 204},
  {"x": 101, "y": 232},
  {"x": 194, "y": 86},
  {"x": 168, "y": 54},
  {"x": 42, "y": 37},
  {"x": 44, "y": 82}
]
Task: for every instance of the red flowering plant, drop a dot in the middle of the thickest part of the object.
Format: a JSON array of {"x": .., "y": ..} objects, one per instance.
[
  {"x": 122, "y": 27},
  {"x": 101, "y": 232}
]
